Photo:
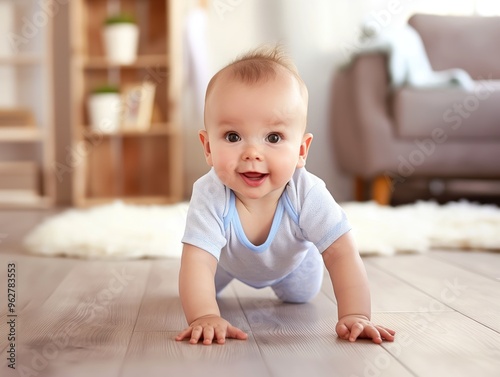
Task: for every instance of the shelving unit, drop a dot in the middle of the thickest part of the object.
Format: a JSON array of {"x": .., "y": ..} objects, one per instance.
[
  {"x": 27, "y": 178},
  {"x": 142, "y": 167}
]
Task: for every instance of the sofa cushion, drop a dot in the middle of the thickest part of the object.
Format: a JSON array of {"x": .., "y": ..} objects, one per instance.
[
  {"x": 470, "y": 43},
  {"x": 455, "y": 112}
]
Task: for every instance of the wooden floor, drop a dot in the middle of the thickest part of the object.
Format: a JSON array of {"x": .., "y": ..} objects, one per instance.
[{"x": 97, "y": 318}]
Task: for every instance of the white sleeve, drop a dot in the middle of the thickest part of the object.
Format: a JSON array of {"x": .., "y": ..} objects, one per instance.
[
  {"x": 205, "y": 218},
  {"x": 321, "y": 219}
]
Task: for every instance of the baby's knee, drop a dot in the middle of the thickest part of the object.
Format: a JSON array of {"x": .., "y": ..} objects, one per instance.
[{"x": 297, "y": 296}]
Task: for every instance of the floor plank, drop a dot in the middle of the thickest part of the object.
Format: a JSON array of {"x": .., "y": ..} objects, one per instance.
[
  {"x": 158, "y": 354},
  {"x": 161, "y": 308},
  {"x": 154, "y": 351},
  {"x": 471, "y": 294},
  {"x": 446, "y": 344},
  {"x": 87, "y": 320},
  {"x": 300, "y": 339},
  {"x": 33, "y": 270},
  {"x": 484, "y": 263},
  {"x": 29, "y": 272},
  {"x": 384, "y": 287}
]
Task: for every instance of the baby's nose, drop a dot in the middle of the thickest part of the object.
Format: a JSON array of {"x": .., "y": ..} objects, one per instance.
[{"x": 251, "y": 152}]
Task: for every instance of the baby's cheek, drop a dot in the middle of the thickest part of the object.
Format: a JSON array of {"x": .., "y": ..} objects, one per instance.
[
  {"x": 226, "y": 171},
  {"x": 223, "y": 176}
]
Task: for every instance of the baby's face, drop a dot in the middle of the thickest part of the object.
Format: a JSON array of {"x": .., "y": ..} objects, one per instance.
[{"x": 254, "y": 134}]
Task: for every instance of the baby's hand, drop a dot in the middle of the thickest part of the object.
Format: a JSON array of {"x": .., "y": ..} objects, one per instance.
[
  {"x": 211, "y": 328},
  {"x": 351, "y": 327}
]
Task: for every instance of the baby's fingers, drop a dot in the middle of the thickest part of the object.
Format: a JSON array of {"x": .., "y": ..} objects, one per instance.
[
  {"x": 184, "y": 334},
  {"x": 208, "y": 335},
  {"x": 236, "y": 333},
  {"x": 373, "y": 333},
  {"x": 196, "y": 334},
  {"x": 377, "y": 333},
  {"x": 193, "y": 333},
  {"x": 356, "y": 331},
  {"x": 220, "y": 335},
  {"x": 386, "y": 333},
  {"x": 342, "y": 331}
]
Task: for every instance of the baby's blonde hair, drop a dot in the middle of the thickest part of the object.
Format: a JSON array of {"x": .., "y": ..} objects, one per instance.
[{"x": 259, "y": 65}]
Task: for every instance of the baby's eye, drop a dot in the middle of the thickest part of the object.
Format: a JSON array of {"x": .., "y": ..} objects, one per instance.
[
  {"x": 233, "y": 137},
  {"x": 273, "y": 138}
]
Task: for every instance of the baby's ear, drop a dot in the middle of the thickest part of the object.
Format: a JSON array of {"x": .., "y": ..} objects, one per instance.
[
  {"x": 304, "y": 150},
  {"x": 203, "y": 135}
]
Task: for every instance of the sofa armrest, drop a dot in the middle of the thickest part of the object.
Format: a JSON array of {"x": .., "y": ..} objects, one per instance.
[{"x": 362, "y": 126}]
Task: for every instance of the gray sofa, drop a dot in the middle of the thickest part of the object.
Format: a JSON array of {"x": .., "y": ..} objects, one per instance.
[{"x": 384, "y": 136}]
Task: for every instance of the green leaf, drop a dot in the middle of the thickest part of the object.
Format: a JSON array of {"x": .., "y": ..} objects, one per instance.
[
  {"x": 120, "y": 19},
  {"x": 106, "y": 89}
]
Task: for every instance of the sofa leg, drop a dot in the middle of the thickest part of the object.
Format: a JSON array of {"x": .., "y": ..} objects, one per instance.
[
  {"x": 381, "y": 190},
  {"x": 359, "y": 189}
]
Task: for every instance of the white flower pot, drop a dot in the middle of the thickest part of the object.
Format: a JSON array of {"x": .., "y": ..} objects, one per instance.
[
  {"x": 121, "y": 42},
  {"x": 104, "y": 112}
]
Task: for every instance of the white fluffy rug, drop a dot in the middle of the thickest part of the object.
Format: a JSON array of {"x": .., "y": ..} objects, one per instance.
[
  {"x": 113, "y": 231},
  {"x": 127, "y": 231}
]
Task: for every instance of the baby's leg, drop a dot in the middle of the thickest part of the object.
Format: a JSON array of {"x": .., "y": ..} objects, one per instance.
[
  {"x": 304, "y": 282},
  {"x": 222, "y": 279}
]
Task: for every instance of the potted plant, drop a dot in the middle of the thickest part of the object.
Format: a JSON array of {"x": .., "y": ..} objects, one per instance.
[
  {"x": 121, "y": 39},
  {"x": 104, "y": 107}
]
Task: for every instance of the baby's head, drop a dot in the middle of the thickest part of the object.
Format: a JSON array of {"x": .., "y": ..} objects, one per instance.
[
  {"x": 259, "y": 66},
  {"x": 255, "y": 121}
]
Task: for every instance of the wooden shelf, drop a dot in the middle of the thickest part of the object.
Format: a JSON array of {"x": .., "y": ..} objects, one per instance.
[
  {"x": 142, "y": 167},
  {"x": 23, "y": 199},
  {"x": 27, "y": 151},
  {"x": 20, "y": 134},
  {"x": 157, "y": 129},
  {"x": 144, "y": 200},
  {"x": 21, "y": 59},
  {"x": 145, "y": 61}
]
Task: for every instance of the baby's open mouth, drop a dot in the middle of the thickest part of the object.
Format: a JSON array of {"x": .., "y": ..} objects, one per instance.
[
  {"x": 253, "y": 175},
  {"x": 253, "y": 178}
]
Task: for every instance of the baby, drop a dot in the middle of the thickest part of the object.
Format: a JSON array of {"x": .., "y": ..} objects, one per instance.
[{"x": 258, "y": 216}]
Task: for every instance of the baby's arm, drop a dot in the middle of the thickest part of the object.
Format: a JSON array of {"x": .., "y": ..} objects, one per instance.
[
  {"x": 350, "y": 285},
  {"x": 197, "y": 293}
]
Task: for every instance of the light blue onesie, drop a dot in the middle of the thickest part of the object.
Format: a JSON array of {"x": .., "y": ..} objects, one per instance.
[{"x": 307, "y": 220}]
